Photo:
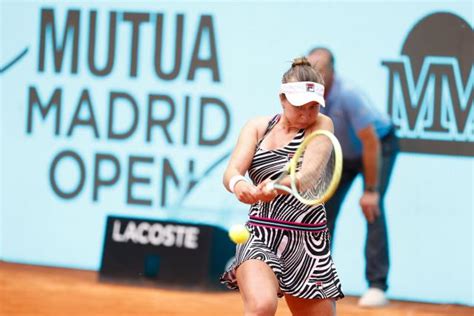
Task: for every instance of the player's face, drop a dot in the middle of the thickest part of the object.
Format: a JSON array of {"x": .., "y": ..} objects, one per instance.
[{"x": 301, "y": 116}]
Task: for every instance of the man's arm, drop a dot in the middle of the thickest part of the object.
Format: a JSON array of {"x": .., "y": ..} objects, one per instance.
[
  {"x": 371, "y": 165},
  {"x": 370, "y": 157}
]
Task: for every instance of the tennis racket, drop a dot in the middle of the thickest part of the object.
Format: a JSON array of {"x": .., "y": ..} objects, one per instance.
[{"x": 314, "y": 171}]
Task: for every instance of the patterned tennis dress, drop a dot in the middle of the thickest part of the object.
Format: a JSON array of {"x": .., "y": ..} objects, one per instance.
[{"x": 291, "y": 237}]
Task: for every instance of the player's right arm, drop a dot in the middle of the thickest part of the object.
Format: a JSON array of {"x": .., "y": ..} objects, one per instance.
[{"x": 241, "y": 160}]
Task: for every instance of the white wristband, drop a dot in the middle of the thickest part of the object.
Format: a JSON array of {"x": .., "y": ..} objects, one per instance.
[{"x": 233, "y": 181}]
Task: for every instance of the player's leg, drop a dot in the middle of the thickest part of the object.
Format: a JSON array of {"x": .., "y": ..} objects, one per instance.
[
  {"x": 304, "y": 307},
  {"x": 258, "y": 287}
]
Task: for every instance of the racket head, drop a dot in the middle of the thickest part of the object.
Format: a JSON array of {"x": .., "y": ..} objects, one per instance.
[{"x": 319, "y": 185}]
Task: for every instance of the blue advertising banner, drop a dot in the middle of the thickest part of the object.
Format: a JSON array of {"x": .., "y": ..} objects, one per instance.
[{"x": 132, "y": 110}]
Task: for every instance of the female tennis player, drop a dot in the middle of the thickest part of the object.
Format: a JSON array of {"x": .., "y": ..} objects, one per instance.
[{"x": 288, "y": 251}]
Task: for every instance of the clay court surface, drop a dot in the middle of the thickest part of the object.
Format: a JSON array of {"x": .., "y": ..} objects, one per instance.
[{"x": 35, "y": 290}]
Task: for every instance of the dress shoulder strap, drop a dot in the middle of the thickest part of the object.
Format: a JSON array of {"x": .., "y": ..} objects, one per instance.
[{"x": 270, "y": 125}]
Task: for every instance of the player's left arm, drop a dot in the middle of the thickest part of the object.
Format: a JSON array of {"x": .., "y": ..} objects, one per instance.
[
  {"x": 323, "y": 122},
  {"x": 317, "y": 152}
]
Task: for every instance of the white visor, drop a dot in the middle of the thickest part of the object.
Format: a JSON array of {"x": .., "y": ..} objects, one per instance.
[{"x": 302, "y": 92}]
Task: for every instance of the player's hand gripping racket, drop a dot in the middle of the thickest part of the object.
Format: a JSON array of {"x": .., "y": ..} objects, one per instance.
[{"x": 314, "y": 170}]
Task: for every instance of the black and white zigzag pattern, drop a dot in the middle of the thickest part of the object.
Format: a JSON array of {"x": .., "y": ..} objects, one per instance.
[{"x": 300, "y": 259}]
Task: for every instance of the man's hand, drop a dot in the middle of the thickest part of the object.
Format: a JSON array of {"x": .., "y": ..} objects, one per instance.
[{"x": 370, "y": 205}]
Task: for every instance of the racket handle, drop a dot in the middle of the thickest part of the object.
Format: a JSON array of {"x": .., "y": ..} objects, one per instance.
[{"x": 270, "y": 186}]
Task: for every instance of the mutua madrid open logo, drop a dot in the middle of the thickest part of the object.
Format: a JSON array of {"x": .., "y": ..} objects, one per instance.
[{"x": 430, "y": 92}]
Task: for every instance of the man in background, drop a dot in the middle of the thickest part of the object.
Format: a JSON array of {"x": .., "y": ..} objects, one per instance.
[{"x": 369, "y": 148}]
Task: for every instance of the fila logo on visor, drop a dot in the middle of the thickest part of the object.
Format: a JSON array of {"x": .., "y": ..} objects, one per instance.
[{"x": 310, "y": 87}]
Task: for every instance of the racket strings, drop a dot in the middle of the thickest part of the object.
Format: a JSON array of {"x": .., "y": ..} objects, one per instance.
[{"x": 314, "y": 173}]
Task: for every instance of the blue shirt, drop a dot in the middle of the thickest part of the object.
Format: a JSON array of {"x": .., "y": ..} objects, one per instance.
[{"x": 351, "y": 111}]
